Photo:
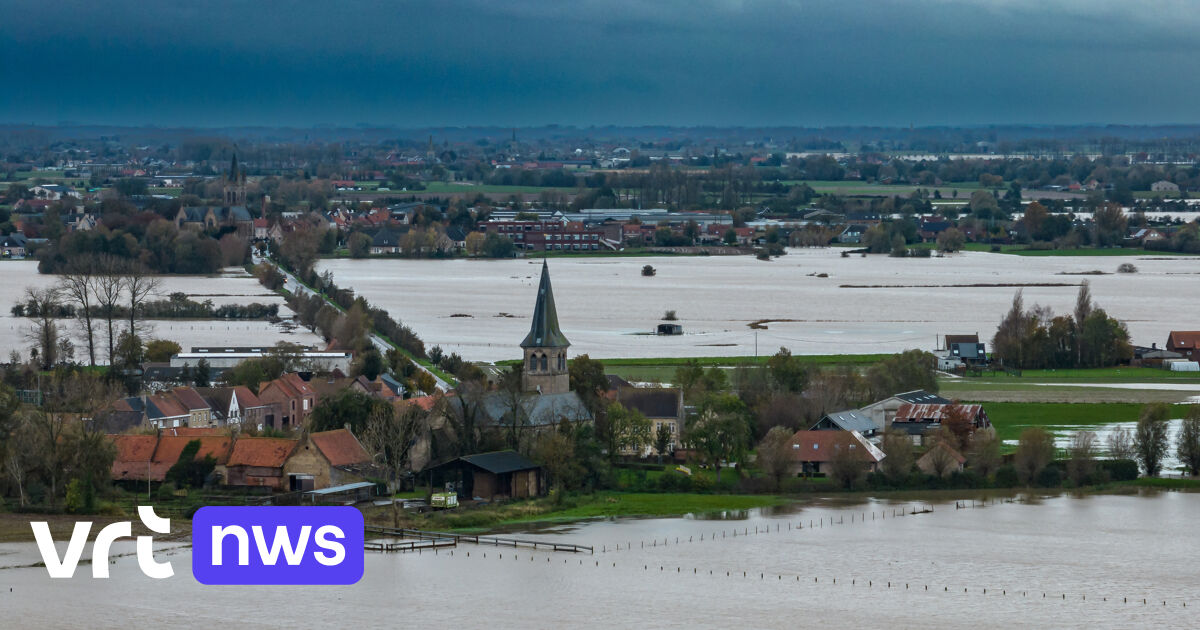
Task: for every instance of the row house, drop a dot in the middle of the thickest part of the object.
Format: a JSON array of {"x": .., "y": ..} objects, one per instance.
[{"x": 292, "y": 398}]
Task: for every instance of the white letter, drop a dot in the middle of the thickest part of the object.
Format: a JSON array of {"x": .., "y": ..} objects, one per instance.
[
  {"x": 145, "y": 544},
  {"x": 281, "y": 541},
  {"x": 103, "y": 542},
  {"x": 218, "y": 536},
  {"x": 45, "y": 543},
  {"x": 338, "y": 549}
]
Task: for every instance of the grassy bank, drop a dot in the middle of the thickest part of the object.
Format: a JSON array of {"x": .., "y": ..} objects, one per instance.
[{"x": 573, "y": 508}]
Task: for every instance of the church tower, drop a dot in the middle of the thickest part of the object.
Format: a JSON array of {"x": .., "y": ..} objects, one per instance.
[
  {"x": 235, "y": 185},
  {"x": 545, "y": 346}
]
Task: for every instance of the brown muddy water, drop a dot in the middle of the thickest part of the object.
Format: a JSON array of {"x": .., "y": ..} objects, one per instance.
[{"x": 1050, "y": 562}]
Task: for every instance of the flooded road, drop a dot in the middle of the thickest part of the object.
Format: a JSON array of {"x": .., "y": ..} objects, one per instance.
[{"x": 1103, "y": 553}]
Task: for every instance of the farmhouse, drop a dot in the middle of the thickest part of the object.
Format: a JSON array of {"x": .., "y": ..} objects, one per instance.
[
  {"x": 882, "y": 413},
  {"x": 847, "y": 421},
  {"x": 1184, "y": 342},
  {"x": 814, "y": 452}
]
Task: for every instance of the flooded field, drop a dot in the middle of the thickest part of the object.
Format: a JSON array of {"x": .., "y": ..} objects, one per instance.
[
  {"x": 481, "y": 309},
  {"x": 1051, "y": 562},
  {"x": 234, "y": 286}
]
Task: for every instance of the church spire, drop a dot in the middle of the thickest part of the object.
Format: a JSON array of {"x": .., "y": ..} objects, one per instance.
[{"x": 544, "y": 331}]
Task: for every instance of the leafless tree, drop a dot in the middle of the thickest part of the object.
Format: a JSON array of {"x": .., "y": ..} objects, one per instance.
[
  {"x": 898, "y": 447},
  {"x": 775, "y": 453},
  {"x": 941, "y": 458},
  {"x": 389, "y": 435},
  {"x": 138, "y": 285},
  {"x": 1035, "y": 451},
  {"x": 984, "y": 454},
  {"x": 78, "y": 286},
  {"x": 1188, "y": 446},
  {"x": 107, "y": 293},
  {"x": 1082, "y": 454},
  {"x": 1120, "y": 444}
]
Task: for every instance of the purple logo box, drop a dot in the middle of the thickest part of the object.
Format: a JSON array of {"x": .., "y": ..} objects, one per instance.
[{"x": 277, "y": 545}]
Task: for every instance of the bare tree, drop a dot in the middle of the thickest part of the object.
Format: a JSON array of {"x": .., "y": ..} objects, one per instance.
[
  {"x": 41, "y": 306},
  {"x": 775, "y": 453},
  {"x": 1035, "y": 451},
  {"x": 138, "y": 285},
  {"x": 107, "y": 293},
  {"x": 899, "y": 449},
  {"x": 984, "y": 454},
  {"x": 1120, "y": 444},
  {"x": 389, "y": 435},
  {"x": 1082, "y": 454},
  {"x": 846, "y": 466},
  {"x": 79, "y": 288},
  {"x": 941, "y": 458}
]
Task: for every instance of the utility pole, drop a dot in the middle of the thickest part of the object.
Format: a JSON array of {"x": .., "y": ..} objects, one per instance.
[{"x": 756, "y": 343}]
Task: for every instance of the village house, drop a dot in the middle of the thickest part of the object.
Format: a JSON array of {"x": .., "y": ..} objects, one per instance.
[
  {"x": 13, "y": 245},
  {"x": 292, "y": 397},
  {"x": 942, "y": 460},
  {"x": 1163, "y": 185},
  {"x": 661, "y": 406},
  {"x": 326, "y": 459},
  {"x": 54, "y": 192},
  {"x": 235, "y": 405},
  {"x": 851, "y": 420},
  {"x": 385, "y": 241},
  {"x": 149, "y": 457},
  {"x": 1184, "y": 342},
  {"x": 881, "y": 413},
  {"x": 259, "y": 462},
  {"x": 814, "y": 452}
]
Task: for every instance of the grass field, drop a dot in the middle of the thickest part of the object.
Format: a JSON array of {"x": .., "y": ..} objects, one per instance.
[
  {"x": 1092, "y": 375},
  {"x": 1060, "y": 393},
  {"x": 1012, "y": 418}
]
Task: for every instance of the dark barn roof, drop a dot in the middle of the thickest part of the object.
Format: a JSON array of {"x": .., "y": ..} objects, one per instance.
[{"x": 499, "y": 462}]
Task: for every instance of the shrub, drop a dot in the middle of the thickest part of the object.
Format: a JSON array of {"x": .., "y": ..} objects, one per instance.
[
  {"x": 1050, "y": 477},
  {"x": 669, "y": 316},
  {"x": 1127, "y": 268},
  {"x": 1120, "y": 469},
  {"x": 1006, "y": 477},
  {"x": 647, "y": 270}
]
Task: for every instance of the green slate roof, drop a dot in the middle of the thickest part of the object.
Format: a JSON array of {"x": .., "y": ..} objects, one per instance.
[{"x": 544, "y": 332}]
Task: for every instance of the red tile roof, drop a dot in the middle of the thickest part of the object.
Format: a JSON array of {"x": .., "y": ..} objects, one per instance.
[
  {"x": 1183, "y": 339},
  {"x": 193, "y": 431},
  {"x": 259, "y": 451},
  {"x": 171, "y": 447},
  {"x": 821, "y": 446},
  {"x": 340, "y": 447},
  {"x": 190, "y": 398},
  {"x": 169, "y": 405}
]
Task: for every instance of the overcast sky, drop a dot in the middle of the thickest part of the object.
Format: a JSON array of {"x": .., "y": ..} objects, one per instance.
[{"x": 584, "y": 62}]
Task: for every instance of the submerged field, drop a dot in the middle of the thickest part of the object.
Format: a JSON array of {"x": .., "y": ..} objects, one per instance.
[{"x": 863, "y": 305}]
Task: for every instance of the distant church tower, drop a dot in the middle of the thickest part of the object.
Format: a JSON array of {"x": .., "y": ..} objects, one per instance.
[
  {"x": 235, "y": 185},
  {"x": 545, "y": 346}
]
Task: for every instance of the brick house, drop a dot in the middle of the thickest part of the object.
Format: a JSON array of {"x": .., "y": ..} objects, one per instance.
[
  {"x": 325, "y": 459},
  {"x": 292, "y": 397},
  {"x": 1185, "y": 342},
  {"x": 259, "y": 462}
]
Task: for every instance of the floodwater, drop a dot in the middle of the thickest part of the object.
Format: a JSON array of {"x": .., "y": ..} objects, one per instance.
[
  {"x": 481, "y": 308},
  {"x": 1078, "y": 562},
  {"x": 233, "y": 286}
]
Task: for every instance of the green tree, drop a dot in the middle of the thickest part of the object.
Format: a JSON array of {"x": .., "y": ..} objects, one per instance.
[
  {"x": 369, "y": 364},
  {"x": 161, "y": 350},
  {"x": 983, "y": 456},
  {"x": 588, "y": 381},
  {"x": 202, "y": 377},
  {"x": 787, "y": 371},
  {"x": 347, "y": 407},
  {"x": 1188, "y": 447},
  {"x": 190, "y": 471},
  {"x": 951, "y": 240},
  {"x": 626, "y": 429},
  {"x": 1150, "y": 437},
  {"x": 722, "y": 431},
  {"x": 359, "y": 245},
  {"x": 662, "y": 440}
]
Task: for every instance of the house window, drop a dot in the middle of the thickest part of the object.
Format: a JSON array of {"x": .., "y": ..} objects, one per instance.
[{"x": 306, "y": 404}]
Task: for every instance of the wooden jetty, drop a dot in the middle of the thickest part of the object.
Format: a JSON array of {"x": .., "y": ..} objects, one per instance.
[
  {"x": 409, "y": 545},
  {"x": 494, "y": 541}
]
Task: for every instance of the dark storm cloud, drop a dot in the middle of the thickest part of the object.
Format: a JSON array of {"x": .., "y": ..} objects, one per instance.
[{"x": 584, "y": 62}]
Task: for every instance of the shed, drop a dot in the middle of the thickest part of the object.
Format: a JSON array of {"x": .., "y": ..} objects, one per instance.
[
  {"x": 490, "y": 476},
  {"x": 346, "y": 493},
  {"x": 846, "y": 421},
  {"x": 670, "y": 329}
]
